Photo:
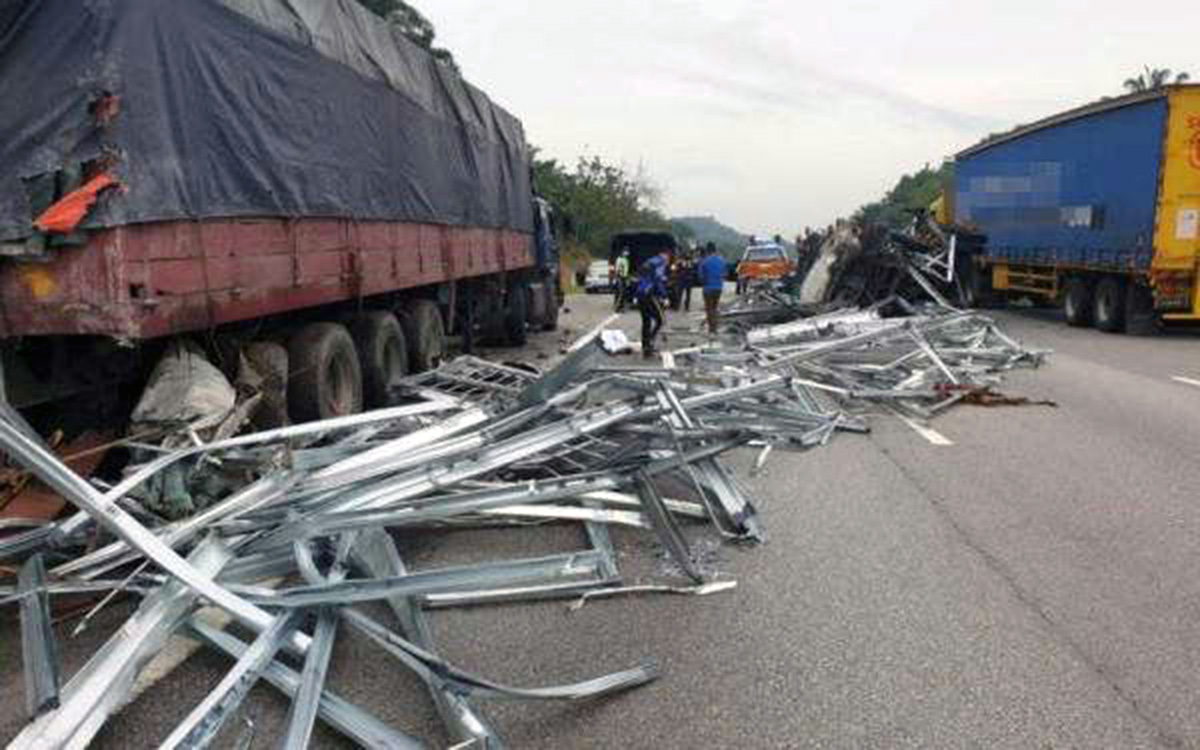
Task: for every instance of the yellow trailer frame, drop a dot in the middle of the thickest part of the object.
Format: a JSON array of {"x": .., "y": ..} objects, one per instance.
[{"x": 1176, "y": 265}]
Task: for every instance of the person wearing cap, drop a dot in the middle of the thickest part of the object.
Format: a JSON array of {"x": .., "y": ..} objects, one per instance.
[{"x": 651, "y": 292}]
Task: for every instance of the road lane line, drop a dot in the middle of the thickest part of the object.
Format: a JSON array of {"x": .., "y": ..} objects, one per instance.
[
  {"x": 1186, "y": 381},
  {"x": 933, "y": 436}
]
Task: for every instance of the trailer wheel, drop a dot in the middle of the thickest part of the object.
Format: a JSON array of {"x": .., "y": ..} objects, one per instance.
[
  {"x": 382, "y": 355},
  {"x": 1078, "y": 303},
  {"x": 516, "y": 314},
  {"x": 550, "y": 323},
  {"x": 1110, "y": 304},
  {"x": 324, "y": 378},
  {"x": 1140, "y": 317},
  {"x": 425, "y": 332},
  {"x": 978, "y": 290}
]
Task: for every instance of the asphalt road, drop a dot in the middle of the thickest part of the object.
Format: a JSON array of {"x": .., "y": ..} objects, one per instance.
[{"x": 1027, "y": 578}]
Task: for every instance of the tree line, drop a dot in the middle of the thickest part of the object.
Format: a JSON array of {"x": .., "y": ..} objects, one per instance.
[
  {"x": 912, "y": 192},
  {"x": 593, "y": 200}
]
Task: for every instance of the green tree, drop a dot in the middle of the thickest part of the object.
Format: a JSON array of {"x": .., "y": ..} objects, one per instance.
[
  {"x": 595, "y": 200},
  {"x": 1153, "y": 78},
  {"x": 413, "y": 24},
  {"x": 912, "y": 192}
]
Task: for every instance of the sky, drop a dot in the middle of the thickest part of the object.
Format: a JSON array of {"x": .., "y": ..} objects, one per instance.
[{"x": 773, "y": 115}]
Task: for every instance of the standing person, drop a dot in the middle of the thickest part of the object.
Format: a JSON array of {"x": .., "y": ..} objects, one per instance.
[
  {"x": 712, "y": 279},
  {"x": 651, "y": 291},
  {"x": 682, "y": 273},
  {"x": 622, "y": 281},
  {"x": 687, "y": 278}
]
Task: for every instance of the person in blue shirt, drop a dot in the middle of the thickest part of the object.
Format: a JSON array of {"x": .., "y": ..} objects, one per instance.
[
  {"x": 651, "y": 291},
  {"x": 712, "y": 278}
]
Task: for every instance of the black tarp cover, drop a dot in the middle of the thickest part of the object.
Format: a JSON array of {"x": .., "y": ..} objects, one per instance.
[{"x": 250, "y": 108}]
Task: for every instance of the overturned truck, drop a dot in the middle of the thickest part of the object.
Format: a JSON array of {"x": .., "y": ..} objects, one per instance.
[{"x": 288, "y": 171}]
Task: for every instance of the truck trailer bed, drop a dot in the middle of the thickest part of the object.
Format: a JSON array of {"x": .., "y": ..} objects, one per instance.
[{"x": 150, "y": 280}]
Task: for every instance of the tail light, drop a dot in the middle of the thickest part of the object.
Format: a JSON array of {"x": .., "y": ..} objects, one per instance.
[{"x": 1172, "y": 290}]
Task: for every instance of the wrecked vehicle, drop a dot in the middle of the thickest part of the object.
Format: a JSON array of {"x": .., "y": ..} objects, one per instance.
[
  {"x": 764, "y": 263},
  {"x": 862, "y": 265}
]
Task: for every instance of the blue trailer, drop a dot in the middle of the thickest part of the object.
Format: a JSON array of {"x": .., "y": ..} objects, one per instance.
[{"x": 1098, "y": 207}]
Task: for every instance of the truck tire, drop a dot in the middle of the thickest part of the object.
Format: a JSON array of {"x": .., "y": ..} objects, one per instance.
[
  {"x": 978, "y": 287},
  {"x": 1110, "y": 304},
  {"x": 550, "y": 323},
  {"x": 1140, "y": 317},
  {"x": 324, "y": 378},
  {"x": 1078, "y": 303},
  {"x": 425, "y": 332},
  {"x": 269, "y": 362},
  {"x": 382, "y": 355},
  {"x": 516, "y": 314}
]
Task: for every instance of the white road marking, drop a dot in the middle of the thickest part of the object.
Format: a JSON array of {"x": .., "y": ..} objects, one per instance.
[
  {"x": 1186, "y": 381},
  {"x": 933, "y": 436}
]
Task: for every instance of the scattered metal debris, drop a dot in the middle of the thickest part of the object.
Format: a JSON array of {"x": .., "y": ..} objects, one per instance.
[
  {"x": 701, "y": 590},
  {"x": 473, "y": 443}
]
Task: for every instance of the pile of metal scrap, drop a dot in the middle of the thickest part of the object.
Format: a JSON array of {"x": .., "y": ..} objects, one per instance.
[
  {"x": 865, "y": 266},
  {"x": 296, "y": 539},
  {"x": 296, "y": 542},
  {"x": 873, "y": 319},
  {"x": 859, "y": 266},
  {"x": 918, "y": 365},
  {"x": 762, "y": 304}
]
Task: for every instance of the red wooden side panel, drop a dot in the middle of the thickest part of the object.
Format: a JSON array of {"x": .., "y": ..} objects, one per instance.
[{"x": 150, "y": 280}]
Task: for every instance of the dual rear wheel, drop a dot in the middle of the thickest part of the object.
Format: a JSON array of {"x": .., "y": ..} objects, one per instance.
[
  {"x": 1112, "y": 303},
  {"x": 335, "y": 370}
]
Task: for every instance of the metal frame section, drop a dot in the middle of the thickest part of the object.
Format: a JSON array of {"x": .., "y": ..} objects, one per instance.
[
  {"x": 100, "y": 688},
  {"x": 709, "y": 474},
  {"x": 664, "y": 524},
  {"x": 306, "y": 702},
  {"x": 582, "y": 355},
  {"x": 349, "y": 720},
  {"x": 425, "y": 664},
  {"x": 445, "y": 507},
  {"x": 342, "y": 593},
  {"x": 704, "y": 589},
  {"x": 376, "y": 554},
  {"x": 201, "y": 726},
  {"x": 472, "y": 379},
  {"x": 39, "y": 653}
]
